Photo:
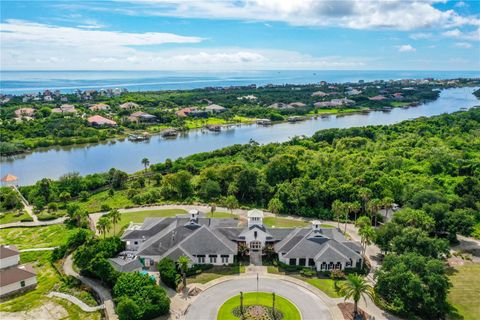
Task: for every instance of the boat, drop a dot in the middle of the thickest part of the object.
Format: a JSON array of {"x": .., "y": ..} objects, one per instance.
[
  {"x": 264, "y": 122},
  {"x": 296, "y": 118},
  {"x": 139, "y": 137},
  {"x": 214, "y": 127},
  {"x": 168, "y": 133}
]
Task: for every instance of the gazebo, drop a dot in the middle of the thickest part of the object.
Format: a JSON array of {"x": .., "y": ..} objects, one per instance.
[{"x": 9, "y": 180}]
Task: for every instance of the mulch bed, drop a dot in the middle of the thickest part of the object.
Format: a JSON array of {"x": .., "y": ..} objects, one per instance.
[{"x": 347, "y": 311}]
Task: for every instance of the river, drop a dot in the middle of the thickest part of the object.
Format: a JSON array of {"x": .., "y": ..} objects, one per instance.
[{"x": 126, "y": 155}]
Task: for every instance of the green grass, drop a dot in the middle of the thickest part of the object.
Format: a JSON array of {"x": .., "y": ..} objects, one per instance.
[
  {"x": 218, "y": 214},
  {"x": 466, "y": 286},
  {"x": 36, "y": 237},
  {"x": 289, "y": 310},
  {"x": 117, "y": 201},
  {"x": 47, "y": 278},
  {"x": 13, "y": 216},
  {"x": 323, "y": 284},
  {"x": 399, "y": 103},
  {"x": 139, "y": 216},
  {"x": 215, "y": 273},
  {"x": 279, "y": 222}
]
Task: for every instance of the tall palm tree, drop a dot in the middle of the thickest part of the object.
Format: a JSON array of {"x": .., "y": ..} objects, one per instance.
[
  {"x": 387, "y": 204},
  {"x": 183, "y": 263},
  {"x": 367, "y": 235},
  {"x": 114, "y": 216},
  {"x": 338, "y": 208},
  {"x": 365, "y": 194},
  {"x": 355, "y": 208},
  {"x": 145, "y": 163},
  {"x": 103, "y": 225},
  {"x": 372, "y": 208},
  {"x": 356, "y": 287}
]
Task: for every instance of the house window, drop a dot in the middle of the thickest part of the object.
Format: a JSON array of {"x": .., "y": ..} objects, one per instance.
[
  {"x": 338, "y": 265},
  {"x": 225, "y": 259},
  {"x": 22, "y": 283},
  {"x": 255, "y": 245},
  {"x": 213, "y": 259},
  {"x": 201, "y": 259},
  {"x": 292, "y": 262},
  {"x": 311, "y": 262},
  {"x": 136, "y": 242},
  {"x": 330, "y": 266},
  {"x": 302, "y": 262},
  {"x": 323, "y": 266},
  {"x": 255, "y": 234}
]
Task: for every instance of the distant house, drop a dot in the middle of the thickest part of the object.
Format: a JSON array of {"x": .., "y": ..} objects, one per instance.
[
  {"x": 192, "y": 112},
  {"x": 377, "y": 98},
  {"x": 65, "y": 108},
  {"x": 353, "y": 92},
  {"x": 250, "y": 97},
  {"x": 99, "y": 121},
  {"x": 48, "y": 98},
  {"x": 129, "y": 106},
  {"x": 99, "y": 107},
  {"x": 297, "y": 104},
  {"x": 398, "y": 96},
  {"x": 280, "y": 105},
  {"x": 217, "y": 241},
  {"x": 334, "y": 103},
  {"x": 141, "y": 116},
  {"x": 319, "y": 94},
  {"x": 215, "y": 108},
  {"x": 24, "y": 112},
  {"x": 13, "y": 276}
]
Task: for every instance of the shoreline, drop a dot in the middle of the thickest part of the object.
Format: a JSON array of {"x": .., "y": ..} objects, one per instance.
[{"x": 251, "y": 121}]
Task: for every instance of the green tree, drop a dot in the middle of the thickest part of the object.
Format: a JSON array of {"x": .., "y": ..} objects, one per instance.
[
  {"x": 231, "y": 203},
  {"x": 408, "y": 217},
  {"x": 338, "y": 208},
  {"x": 103, "y": 225},
  {"x": 127, "y": 309},
  {"x": 115, "y": 217},
  {"x": 145, "y": 163},
  {"x": 183, "y": 264},
  {"x": 356, "y": 287},
  {"x": 367, "y": 236},
  {"x": 275, "y": 206}
]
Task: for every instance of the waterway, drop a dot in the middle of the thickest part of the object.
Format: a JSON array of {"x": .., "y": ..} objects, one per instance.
[{"x": 126, "y": 155}]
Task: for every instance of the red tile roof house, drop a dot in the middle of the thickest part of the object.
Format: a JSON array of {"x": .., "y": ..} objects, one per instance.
[
  {"x": 377, "y": 98},
  {"x": 99, "y": 121},
  {"x": 99, "y": 107},
  {"x": 22, "y": 112},
  {"x": 14, "y": 277},
  {"x": 129, "y": 105}
]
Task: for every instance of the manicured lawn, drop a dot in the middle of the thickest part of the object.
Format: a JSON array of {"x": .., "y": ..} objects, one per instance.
[
  {"x": 279, "y": 222},
  {"x": 47, "y": 278},
  {"x": 13, "y": 216},
  {"x": 216, "y": 272},
  {"x": 36, "y": 237},
  {"x": 221, "y": 215},
  {"x": 288, "y": 309},
  {"x": 139, "y": 216},
  {"x": 399, "y": 103},
  {"x": 465, "y": 291},
  {"x": 326, "y": 285}
]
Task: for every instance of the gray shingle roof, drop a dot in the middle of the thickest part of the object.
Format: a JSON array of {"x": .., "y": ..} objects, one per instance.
[{"x": 125, "y": 265}]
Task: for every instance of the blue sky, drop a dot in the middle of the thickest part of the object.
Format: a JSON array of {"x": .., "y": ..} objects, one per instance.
[{"x": 240, "y": 35}]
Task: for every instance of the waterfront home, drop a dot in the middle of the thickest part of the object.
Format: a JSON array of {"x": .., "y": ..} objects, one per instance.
[
  {"x": 377, "y": 98},
  {"x": 99, "y": 121},
  {"x": 297, "y": 104},
  {"x": 215, "y": 108},
  {"x": 99, "y": 107},
  {"x": 319, "y": 94},
  {"x": 280, "y": 105},
  {"x": 141, "y": 116},
  {"x": 128, "y": 106},
  {"x": 216, "y": 241},
  {"x": 14, "y": 277},
  {"x": 192, "y": 112},
  {"x": 24, "y": 112},
  {"x": 65, "y": 108}
]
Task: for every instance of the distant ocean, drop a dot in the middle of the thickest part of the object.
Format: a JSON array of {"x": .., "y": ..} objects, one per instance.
[{"x": 19, "y": 82}]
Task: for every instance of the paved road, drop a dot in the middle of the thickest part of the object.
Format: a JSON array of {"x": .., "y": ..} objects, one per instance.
[
  {"x": 206, "y": 306},
  {"x": 33, "y": 223}
]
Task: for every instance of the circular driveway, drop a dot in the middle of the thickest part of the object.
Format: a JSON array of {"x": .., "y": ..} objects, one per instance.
[{"x": 206, "y": 305}]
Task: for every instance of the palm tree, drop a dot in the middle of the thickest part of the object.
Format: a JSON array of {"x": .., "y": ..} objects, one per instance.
[
  {"x": 355, "y": 208},
  {"x": 387, "y": 204},
  {"x": 145, "y": 163},
  {"x": 356, "y": 287},
  {"x": 338, "y": 207},
  {"x": 365, "y": 194},
  {"x": 183, "y": 263},
  {"x": 372, "y": 208},
  {"x": 114, "y": 216},
  {"x": 103, "y": 225},
  {"x": 367, "y": 235}
]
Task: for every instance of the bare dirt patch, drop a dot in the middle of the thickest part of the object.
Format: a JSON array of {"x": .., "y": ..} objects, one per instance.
[{"x": 48, "y": 310}]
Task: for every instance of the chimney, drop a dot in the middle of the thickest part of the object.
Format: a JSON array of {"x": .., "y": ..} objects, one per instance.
[
  {"x": 193, "y": 215},
  {"x": 316, "y": 225}
]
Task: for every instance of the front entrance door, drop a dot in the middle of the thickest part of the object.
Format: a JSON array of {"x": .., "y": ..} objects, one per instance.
[{"x": 255, "y": 258}]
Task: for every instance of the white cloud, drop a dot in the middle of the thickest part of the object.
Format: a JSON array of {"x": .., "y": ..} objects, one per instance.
[
  {"x": 356, "y": 14},
  {"x": 458, "y": 34},
  {"x": 406, "y": 48},
  {"x": 460, "y": 4},
  {"x": 421, "y": 36},
  {"x": 222, "y": 57},
  {"x": 464, "y": 45}
]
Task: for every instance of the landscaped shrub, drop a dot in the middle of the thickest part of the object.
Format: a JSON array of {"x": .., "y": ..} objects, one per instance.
[
  {"x": 139, "y": 297},
  {"x": 168, "y": 273}
]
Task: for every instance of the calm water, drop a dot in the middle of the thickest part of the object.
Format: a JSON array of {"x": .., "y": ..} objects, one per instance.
[
  {"x": 18, "y": 82},
  {"x": 126, "y": 155}
]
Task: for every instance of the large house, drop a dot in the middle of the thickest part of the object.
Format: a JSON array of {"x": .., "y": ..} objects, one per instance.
[
  {"x": 217, "y": 241},
  {"x": 13, "y": 276}
]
